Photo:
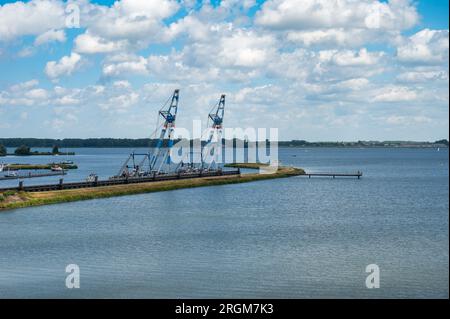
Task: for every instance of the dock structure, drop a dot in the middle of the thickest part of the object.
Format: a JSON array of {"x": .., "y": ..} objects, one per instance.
[
  {"x": 119, "y": 181},
  {"x": 32, "y": 175},
  {"x": 357, "y": 174}
]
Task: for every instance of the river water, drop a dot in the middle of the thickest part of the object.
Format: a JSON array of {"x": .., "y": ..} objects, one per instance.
[{"x": 283, "y": 238}]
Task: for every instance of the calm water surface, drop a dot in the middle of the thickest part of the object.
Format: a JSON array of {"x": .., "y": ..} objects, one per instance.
[{"x": 293, "y": 238}]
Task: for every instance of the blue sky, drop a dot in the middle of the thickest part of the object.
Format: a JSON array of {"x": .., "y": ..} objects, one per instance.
[{"x": 315, "y": 69}]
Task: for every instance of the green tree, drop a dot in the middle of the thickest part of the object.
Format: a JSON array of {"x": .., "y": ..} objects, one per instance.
[
  {"x": 22, "y": 150},
  {"x": 55, "y": 150},
  {"x": 2, "y": 150},
  {"x": 445, "y": 142}
]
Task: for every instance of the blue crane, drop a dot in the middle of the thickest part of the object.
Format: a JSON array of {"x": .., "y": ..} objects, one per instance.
[
  {"x": 217, "y": 116},
  {"x": 211, "y": 149},
  {"x": 169, "y": 116}
]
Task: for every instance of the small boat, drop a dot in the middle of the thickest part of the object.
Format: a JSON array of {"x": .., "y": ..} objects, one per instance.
[
  {"x": 2, "y": 167},
  {"x": 56, "y": 168},
  {"x": 10, "y": 174},
  {"x": 67, "y": 161}
]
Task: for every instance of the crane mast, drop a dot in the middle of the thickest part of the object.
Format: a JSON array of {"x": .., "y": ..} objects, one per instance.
[{"x": 213, "y": 147}]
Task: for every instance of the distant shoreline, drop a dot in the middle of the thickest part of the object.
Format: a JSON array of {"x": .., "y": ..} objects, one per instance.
[
  {"x": 40, "y": 154},
  {"x": 146, "y": 142}
]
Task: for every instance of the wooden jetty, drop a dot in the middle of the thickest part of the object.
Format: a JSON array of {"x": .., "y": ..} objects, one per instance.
[{"x": 357, "y": 174}]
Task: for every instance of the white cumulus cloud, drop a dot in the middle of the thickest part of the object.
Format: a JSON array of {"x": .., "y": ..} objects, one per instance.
[
  {"x": 50, "y": 36},
  {"x": 426, "y": 46},
  {"x": 395, "y": 94},
  {"x": 30, "y": 18},
  {"x": 308, "y": 14},
  {"x": 65, "y": 66}
]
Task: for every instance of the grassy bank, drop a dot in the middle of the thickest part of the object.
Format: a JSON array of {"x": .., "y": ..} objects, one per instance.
[{"x": 27, "y": 199}]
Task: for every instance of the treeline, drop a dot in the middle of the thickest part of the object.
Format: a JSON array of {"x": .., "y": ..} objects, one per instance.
[
  {"x": 76, "y": 142},
  {"x": 146, "y": 142},
  {"x": 25, "y": 150},
  {"x": 303, "y": 143}
]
